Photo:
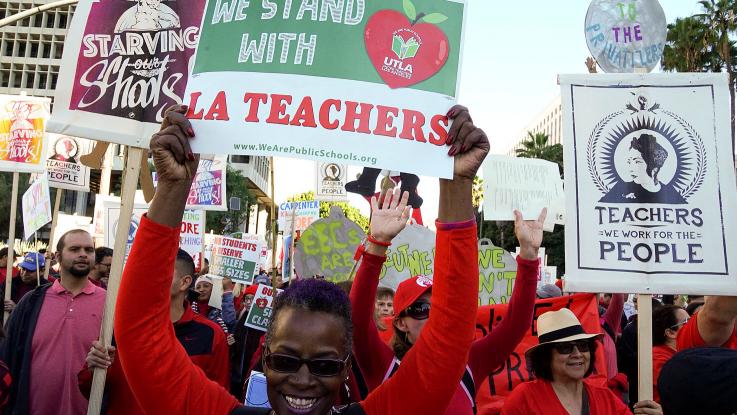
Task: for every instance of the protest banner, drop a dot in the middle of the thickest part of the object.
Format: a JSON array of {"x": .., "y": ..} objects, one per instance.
[
  {"x": 119, "y": 73},
  {"x": 235, "y": 259},
  {"x": 497, "y": 387},
  {"x": 625, "y": 36},
  {"x": 497, "y": 274},
  {"x": 327, "y": 247},
  {"x": 22, "y": 133},
  {"x": 330, "y": 180},
  {"x": 63, "y": 167},
  {"x": 208, "y": 187},
  {"x": 412, "y": 253},
  {"x": 36, "y": 206},
  {"x": 650, "y": 181},
  {"x": 525, "y": 184},
  {"x": 260, "y": 312},
  {"x": 192, "y": 233},
  {"x": 301, "y": 214},
  {"x": 360, "y": 82}
]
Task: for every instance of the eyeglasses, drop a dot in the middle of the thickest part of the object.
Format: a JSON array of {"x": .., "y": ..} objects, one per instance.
[
  {"x": 284, "y": 363},
  {"x": 679, "y": 325},
  {"x": 418, "y": 311},
  {"x": 567, "y": 348}
]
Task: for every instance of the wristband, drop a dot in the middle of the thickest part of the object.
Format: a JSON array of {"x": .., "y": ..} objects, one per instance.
[
  {"x": 378, "y": 243},
  {"x": 455, "y": 225}
]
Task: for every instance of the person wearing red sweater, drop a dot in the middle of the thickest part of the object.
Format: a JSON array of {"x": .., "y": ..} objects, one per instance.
[
  {"x": 715, "y": 325},
  {"x": 412, "y": 303},
  {"x": 309, "y": 338},
  {"x": 565, "y": 356},
  {"x": 203, "y": 340},
  {"x": 667, "y": 322}
]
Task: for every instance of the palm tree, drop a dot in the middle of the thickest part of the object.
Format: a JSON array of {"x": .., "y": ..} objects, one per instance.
[
  {"x": 534, "y": 147},
  {"x": 686, "y": 49}
]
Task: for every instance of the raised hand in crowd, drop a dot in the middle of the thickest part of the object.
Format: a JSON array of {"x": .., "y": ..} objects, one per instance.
[
  {"x": 529, "y": 234},
  {"x": 387, "y": 220},
  {"x": 99, "y": 357}
]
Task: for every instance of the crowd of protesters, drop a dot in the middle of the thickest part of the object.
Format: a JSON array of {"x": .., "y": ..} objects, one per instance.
[{"x": 181, "y": 345}]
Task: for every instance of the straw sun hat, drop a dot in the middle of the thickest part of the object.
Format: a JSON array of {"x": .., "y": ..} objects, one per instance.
[{"x": 559, "y": 327}]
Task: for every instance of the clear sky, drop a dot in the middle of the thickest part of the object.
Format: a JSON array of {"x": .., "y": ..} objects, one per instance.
[{"x": 513, "y": 52}]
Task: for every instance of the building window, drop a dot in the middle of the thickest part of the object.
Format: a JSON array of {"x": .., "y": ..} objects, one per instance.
[{"x": 240, "y": 159}]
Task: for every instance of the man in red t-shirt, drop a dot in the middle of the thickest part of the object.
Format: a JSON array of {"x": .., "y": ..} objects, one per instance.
[{"x": 714, "y": 325}]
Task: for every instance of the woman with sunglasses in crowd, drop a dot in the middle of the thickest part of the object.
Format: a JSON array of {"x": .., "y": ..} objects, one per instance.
[
  {"x": 308, "y": 343},
  {"x": 562, "y": 360},
  {"x": 412, "y": 304},
  {"x": 667, "y": 322}
]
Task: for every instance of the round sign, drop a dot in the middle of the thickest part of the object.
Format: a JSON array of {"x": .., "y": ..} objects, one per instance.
[{"x": 624, "y": 36}]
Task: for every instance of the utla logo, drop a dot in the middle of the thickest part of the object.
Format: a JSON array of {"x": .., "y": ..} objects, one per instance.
[{"x": 406, "y": 48}]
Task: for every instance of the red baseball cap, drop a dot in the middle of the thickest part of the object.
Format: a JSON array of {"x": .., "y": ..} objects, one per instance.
[
  {"x": 251, "y": 289},
  {"x": 409, "y": 291}
]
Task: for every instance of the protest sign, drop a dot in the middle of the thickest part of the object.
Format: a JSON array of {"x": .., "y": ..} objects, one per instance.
[
  {"x": 192, "y": 233},
  {"x": 235, "y": 259},
  {"x": 412, "y": 253},
  {"x": 260, "y": 312},
  {"x": 497, "y": 387},
  {"x": 362, "y": 82},
  {"x": 63, "y": 167},
  {"x": 651, "y": 184},
  {"x": 330, "y": 182},
  {"x": 36, "y": 206},
  {"x": 327, "y": 247},
  {"x": 208, "y": 187},
  {"x": 120, "y": 72},
  {"x": 111, "y": 216},
  {"x": 306, "y": 213},
  {"x": 22, "y": 139},
  {"x": 525, "y": 184},
  {"x": 497, "y": 273},
  {"x": 625, "y": 36},
  {"x": 66, "y": 223}
]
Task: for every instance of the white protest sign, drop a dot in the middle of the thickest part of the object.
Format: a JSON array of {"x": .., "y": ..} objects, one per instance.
[
  {"x": 359, "y": 82},
  {"x": 63, "y": 167},
  {"x": 525, "y": 184},
  {"x": 306, "y": 213},
  {"x": 235, "y": 259},
  {"x": 110, "y": 216},
  {"x": 330, "y": 180},
  {"x": 651, "y": 185},
  {"x": 259, "y": 314},
  {"x": 22, "y": 139},
  {"x": 625, "y": 36},
  {"x": 192, "y": 233},
  {"x": 36, "y": 206},
  {"x": 66, "y": 223},
  {"x": 124, "y": 64}
]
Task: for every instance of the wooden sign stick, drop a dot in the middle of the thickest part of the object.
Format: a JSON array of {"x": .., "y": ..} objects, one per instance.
[
  {"x": 11, "y": 243},
  {"x": 127, "y": 197},
  {"x": 644, "y": 347},
  {"x": 202, "y": 248},
  {"x": 54, "y": 219}
]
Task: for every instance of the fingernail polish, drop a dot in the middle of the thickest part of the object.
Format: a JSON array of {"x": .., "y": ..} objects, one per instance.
[
  {"x": 190, "y": 156},
  {"x": 451, "y": 113},
  {"x": 449, "y": 140},
  {"x": 185, "y": 107},
  {"x": 190, "y": 131}
]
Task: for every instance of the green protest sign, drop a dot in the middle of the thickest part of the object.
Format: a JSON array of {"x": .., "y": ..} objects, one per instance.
[
  {"x": 327, "y": 247},
  {"x": 259, "y": 314},
  {"x": 235, "y": 259},
  {"x": 497, "y": 274}
]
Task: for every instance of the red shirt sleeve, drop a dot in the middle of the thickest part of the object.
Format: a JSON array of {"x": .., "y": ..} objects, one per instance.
[
  {"x": 372, "y": 355},
  {"x": 161, "y": 375},
  {"x": 492, "y": 350},
  {"x": 690, "y": 337},
  {"x": 613, "y": 314},
  {"x": 431, "y": 370}
]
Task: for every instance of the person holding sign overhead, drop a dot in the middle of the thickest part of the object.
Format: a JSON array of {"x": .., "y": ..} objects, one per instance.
[{"x": 308, "y": 345}]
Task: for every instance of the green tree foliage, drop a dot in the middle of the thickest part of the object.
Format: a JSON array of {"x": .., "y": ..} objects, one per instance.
[
  {"x": 351, "y": 212},
  {"x": 230, "y": 221}
]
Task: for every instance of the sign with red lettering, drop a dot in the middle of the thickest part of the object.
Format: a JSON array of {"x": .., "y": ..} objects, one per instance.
[
  {"x": 359, "y": 82},
  {"x": 22, "y": 139},
  {"x": 36, "y": 206},
  {"x": 192, "y": 233},
  {"x": 259, "y": 314},
  {"x": 650, "y": 184},
  {"x": 493, "y": 391},
  {"x": 124, "y": 63},
  {"x": 236, "y": 259}
]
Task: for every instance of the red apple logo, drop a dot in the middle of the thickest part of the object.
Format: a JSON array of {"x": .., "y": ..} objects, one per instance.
[
  {"x": 262, "y": 302},
  {"x": 406, "y": 48}
]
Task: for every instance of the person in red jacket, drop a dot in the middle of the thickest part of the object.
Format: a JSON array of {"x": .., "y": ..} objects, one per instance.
[
  {"x": 667, "y": 322},
  {"x": 565, "y": 356},
  {"x": 203, "y": 340},
  {"x": 309, "y": 338},
  {"x": 412, "y": 305}
]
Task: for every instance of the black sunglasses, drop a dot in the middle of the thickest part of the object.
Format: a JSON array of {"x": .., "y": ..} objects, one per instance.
[
  {"x": 319, "y": 367},
  {"x": 583, "y": 346},
  {"x": 418, "y": 311}
]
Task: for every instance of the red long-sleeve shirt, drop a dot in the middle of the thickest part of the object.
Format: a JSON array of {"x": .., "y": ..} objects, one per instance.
[
  {"x": 539, "y": 398},
  {"x": 375, "y": 358},
  {"x": 165, "y": 381}
]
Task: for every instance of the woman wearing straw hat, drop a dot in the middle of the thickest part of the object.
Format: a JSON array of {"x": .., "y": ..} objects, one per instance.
[{"x": 564, "y": 358}]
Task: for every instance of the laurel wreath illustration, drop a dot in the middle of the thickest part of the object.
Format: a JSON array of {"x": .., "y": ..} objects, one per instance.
[
  {"x": 700, "y": 155},
  {"x": 591, "y": 151}
]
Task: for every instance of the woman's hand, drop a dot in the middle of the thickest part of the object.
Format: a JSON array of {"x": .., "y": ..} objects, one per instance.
[
  {"x": 173, "y": 157},
  {"x": 529, "y": 233},
  {"x": 648, "y": 407},
  {"x": 389, "y": 219},
  {"x": 468, "y": 143}
]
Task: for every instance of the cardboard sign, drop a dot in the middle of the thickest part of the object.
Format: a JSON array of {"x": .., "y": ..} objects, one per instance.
[
  {"x": 525, "y": 184},
  {"x": 66, "y": 223},
  {"x": 362, "y": 82},
  {"x": 651, "y": 184},
  {"x": 192, "y": 233},
  {"x": 412, "y": 253},
  {"x": 63, "y": 167},
  {"x": 235, "y": 259},
  {"x": 307, "y": 212},
  {"x": 36, "y": 206},
  {"x": 497, "y": 273},
  {"x": 624, "y": 36},
  {"x": 22, "y": 133},
  {"x": 330, "y": 180},
  {"x": 259, "y": 314},
  {"x": 494, "y": 390},
  {"x": 110, "y": 216},
  {"x": 327, "y": 247},
  {"x": 124, "y": 64}
]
